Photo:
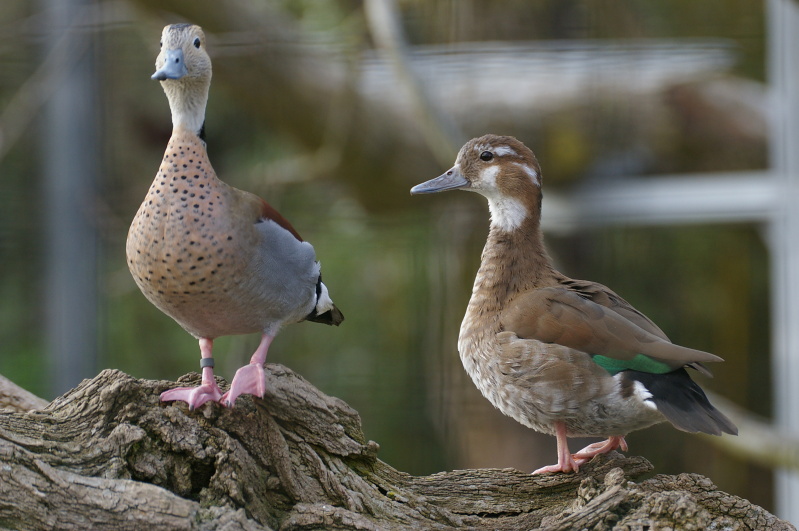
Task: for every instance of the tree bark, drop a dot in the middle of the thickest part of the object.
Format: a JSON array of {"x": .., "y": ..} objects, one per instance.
[
  {"x": 15, "y": 398},
  {"x": 109, "y": 455}
]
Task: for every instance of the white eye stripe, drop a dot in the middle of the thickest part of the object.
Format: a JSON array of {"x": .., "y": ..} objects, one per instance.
[
  {"x": 505, "y": 150},
  {"x": 496, "y": 150},
  {"x": 530, "y": 172}
]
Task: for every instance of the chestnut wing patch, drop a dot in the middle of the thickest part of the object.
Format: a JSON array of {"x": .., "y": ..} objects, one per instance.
[{"x": 269, "y": 212}]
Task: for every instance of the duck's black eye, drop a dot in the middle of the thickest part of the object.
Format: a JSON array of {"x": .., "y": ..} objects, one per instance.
[
  {"x": 486, "y": 156},
  {"x": 196, "y": 42},
  {"x": 160, "y": 44}
]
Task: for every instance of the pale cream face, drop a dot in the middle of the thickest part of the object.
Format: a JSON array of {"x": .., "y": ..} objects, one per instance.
[
  {"x": 506, "y": 154},
  {"x": 190, "y": 39},
  {"x": 184, "y": 69},
  {"x": 502, "y": 169}
]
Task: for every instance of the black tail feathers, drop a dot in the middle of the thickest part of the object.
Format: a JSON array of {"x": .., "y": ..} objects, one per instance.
[
  {"x": 684, "y": 403},
  {"x": 332, "y": 317}
]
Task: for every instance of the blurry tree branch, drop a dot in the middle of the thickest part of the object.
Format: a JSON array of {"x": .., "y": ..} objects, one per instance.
[
  {"x": 441, "y": 133},
  {"x": 15, "y": 398},
  {"x": 758, "y": 439},
  {"x": 109, "y": 455},
  {"x": 59, "y": 58},
  {"x": 23, "y": 106}
]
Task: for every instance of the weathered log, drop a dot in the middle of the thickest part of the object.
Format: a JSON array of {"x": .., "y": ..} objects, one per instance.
[
  {"x": 15, "y": 398},
  {"x": 109, "y": 455}
]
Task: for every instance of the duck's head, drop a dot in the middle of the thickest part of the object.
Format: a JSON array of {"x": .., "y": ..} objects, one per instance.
[
  {"x": 502, "y": 169},
  {"x": 184, "y": 69}
]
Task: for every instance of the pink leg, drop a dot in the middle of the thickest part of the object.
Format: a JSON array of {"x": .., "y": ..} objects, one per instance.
[
  {"x": 566, "y": 463},
  {"x": 250, "y": 379},
  {"x": 602, "y": 447},
  {"x": 208, "y": 390}
]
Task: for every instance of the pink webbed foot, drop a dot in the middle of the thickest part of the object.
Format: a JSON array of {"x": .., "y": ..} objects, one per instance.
[
  {"x": 566, "y": 462},
  {"x": 601, "y": 447},
  {"x": 208, "y": 391},
  {"x": 565, "y": 465},
  {"x": 250, "y": 380},
  {"x": 194, "y": 396}
]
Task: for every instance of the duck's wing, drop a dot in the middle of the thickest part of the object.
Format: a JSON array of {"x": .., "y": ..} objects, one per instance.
[{"x": 615, "y": 341}]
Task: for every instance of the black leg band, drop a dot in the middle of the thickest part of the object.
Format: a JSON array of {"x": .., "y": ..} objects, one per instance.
[{"x": 207, "y": 362}]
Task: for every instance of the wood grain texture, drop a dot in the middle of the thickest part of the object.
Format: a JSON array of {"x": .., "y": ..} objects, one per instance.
[
  {"x": 109, "y": 455},
  {"x": 15, "y": 398}
]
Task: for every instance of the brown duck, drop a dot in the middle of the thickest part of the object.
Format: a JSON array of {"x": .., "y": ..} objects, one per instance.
[
  {"x": 218, "y": 260},
  {"x": 565, "y": 357}
]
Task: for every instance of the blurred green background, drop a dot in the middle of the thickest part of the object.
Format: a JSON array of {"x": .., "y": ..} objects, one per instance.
[{"x": 307, "y": 112}]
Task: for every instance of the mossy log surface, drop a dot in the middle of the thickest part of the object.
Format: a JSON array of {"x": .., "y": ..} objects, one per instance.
[{"x": 109, "y": 455}]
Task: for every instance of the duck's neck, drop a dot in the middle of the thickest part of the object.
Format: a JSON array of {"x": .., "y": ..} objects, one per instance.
[
  {"x": 512, "y": 262},
  {"x": 187, "y": 102}
]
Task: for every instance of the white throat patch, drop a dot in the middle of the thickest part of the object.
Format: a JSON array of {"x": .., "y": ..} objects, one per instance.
[{"x": 506, "y": 213}]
